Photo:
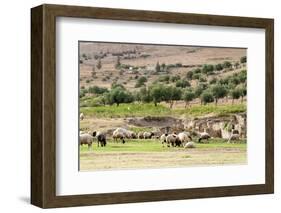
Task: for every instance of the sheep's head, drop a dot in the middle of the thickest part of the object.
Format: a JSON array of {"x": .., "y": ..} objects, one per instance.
[
  {"x": 152, "y": 134},
  {"x": 94, "y": 134}
]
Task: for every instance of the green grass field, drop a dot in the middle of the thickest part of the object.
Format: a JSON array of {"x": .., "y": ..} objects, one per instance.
[
  {"x": 141, "y": 110},
  {"x": 151, "y": 154}
]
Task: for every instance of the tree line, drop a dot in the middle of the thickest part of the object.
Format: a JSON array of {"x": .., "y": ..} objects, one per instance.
[{"x": 233, "y": 86}]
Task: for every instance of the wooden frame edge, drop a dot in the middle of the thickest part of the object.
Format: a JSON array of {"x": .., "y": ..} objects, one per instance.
[{"x": 43, "y": 105}]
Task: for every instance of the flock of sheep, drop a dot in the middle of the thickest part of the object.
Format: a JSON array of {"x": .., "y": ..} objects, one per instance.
[{"x": 182, "y": 139}]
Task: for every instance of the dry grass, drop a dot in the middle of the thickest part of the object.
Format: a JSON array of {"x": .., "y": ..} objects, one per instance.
[{"x": 153, "y": 155}]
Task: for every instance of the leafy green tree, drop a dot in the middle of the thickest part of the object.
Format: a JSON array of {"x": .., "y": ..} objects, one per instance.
[
  {"x": 218, "y": 91},
  {"x": 188, "y": 96},
  {"x": 234, "y": 80},
  {"x": 207, "y": 97},
  {"x": 199, "y": 89},
  {"x": 208, "y": 68},
  {"x": 97, "y": 90},
  {"x": 242, "y": 76},
  {"x": 224, "y": 81},
  {"x": 182, "y": 83},
  {"x": 226, "y": 64},
  {"x": 243, "y": 91},
  {"x": 172, "y": 94},
  {"x": 236, "y": 65},
  {"x": 197, "y": 70},
  {"x": 144, "y": 95},
  {"x": 141, "y": 81},
  {"x": 157, "y": 92},
  {"x": 116, "y": 85},
  {"x": 243, "y": 59},
  {"x": 157, "y": 67},
  {"x": 218, "y": 67},
  {"x": 175, "y": 78},
  {"x": 235, "y": 94},
  {"x": 119, "y": 95}
]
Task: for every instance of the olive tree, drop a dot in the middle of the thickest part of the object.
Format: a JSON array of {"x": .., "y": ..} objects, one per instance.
[
  {"x": 218, "y": 91},
  {"x": 207, "y": 97},
  {"x": 235, "y": 94},
  {"x": 172, "y": 94},
  {"x": 157, "y": 93},
  {"x": 188, "y": 96}
]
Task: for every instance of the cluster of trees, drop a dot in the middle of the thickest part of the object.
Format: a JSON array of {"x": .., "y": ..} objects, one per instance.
[
  {"x": 209, "y": 69},
  {"x": 233, "y": 86}
]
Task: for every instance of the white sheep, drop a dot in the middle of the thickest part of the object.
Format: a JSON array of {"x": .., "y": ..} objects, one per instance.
[
  {"x": 163, "y": 139},
  {"x": 127, "y": 133},
  {"x": 189, "y": 144},
  {"x": 140, "y": 135},
  {"x": 86, "y": 138},
  {"x": 184, "y": 137},
  {"x": 148, "y": 135},
  {"x": 173, "y": 140},
  {"x": 118, "y": 135},
  {"x": 82, "y": 116}
]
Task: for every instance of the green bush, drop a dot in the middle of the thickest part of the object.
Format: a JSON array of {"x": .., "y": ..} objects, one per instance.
[
  {"x": 175, "y": 78},
  {"x": 141, "y": 82},
  {"x": 196, "y": 76},
  {"x": 243, "y": 59},
  {"x": 207, "y": 68},
  {"x": 226, "y": 64},
  {"x": 189, "y": 75},
  {"x": 218, "y": 67}
]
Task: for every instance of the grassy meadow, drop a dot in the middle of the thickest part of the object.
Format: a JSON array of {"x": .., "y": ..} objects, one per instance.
[
  {"x": 150, "y": 153},
  {"x": 148, "y": 109}
]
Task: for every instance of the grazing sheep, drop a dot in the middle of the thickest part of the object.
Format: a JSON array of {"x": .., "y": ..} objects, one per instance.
[
  {"x": 203, "y": 135},
  {"x": 190, "y": 145},
  {"x": 101, "y": 138},
  {"x": 234, "y": 136},
  {"x": 82, "y": 116},
  {"x": 118, "y": 135},
  {"x": 140, "y": 135},
  {"x": 163, "y": 139},
  {"x": 148, "y": 135},
  {"x": 127, "y": 133},
  {"x": 184, "y": 137},
  {"x": 131, "y": 135},
  {"x": 173, "y": 140},
  {"x": 86, "y": 138}
]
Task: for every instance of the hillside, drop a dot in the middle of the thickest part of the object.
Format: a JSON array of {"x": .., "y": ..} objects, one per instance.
[{"x": 140, "y": 60}]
